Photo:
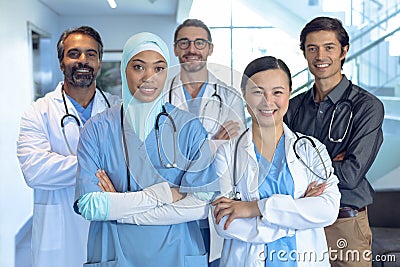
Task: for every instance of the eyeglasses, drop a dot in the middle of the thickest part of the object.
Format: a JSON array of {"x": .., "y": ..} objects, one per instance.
[{"x": 199, "y": 43}]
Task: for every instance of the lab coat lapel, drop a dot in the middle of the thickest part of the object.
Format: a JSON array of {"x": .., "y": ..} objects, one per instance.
[
  {"x": 289, "y": 136},
  {"x": 71, "y": 129},
  {"x": 178, "y": 96},
  {"x": 295, "y": 166},
  {"x": 99, "y": 103},
  {"x": 209, "y": 115},
  {"x": 247, "y": 166}
]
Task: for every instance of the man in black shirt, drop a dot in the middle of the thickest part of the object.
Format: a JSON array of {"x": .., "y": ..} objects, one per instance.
[{"x": 348, "y": 120}]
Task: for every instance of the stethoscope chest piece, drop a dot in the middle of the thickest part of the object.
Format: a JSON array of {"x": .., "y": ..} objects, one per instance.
[{"x": 237, "y": 196}]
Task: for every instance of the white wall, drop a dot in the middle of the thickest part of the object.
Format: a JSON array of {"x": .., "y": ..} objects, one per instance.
[
  {"x": 16, "y": 199},
  {"x": 115, "y": 31},
  {"x": 16, "y": 88}
]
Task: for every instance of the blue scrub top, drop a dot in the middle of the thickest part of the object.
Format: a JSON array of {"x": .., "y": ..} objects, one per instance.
[
  {"x": 84, "y": 113},
  {"x": 275, "y": 178},
  {"x": 194, "y": 103},
  {"x": 101, "y": 147}
]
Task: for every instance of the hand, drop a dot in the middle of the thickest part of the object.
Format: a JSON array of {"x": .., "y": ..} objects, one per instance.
[
  {"x": 228, "y": 130},
  {"x": 104, "y": 183},
  {"x": 234, "y": 209},
  {"x": 339, "y": 156},
  {"x": 314, "y": 190},
  {"x": 176, "y": 196}
]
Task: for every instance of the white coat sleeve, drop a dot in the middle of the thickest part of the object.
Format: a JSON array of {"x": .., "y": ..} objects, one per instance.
[
  {"x": 188, "y": 209},
  {"x": 102, "y": 206},
  {"x": 252, "y": 230},
  {"x": 123, "y": 205},
  {"x": 42, "y": 168},
  {"x": 306, "y": 212}
]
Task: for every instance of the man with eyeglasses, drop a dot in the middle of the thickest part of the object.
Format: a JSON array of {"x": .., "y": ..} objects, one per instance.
[{"x": 195, "y": 89}]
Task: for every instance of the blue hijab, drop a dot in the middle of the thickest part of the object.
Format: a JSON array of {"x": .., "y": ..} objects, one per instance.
[{"x": 141, "y": 115}]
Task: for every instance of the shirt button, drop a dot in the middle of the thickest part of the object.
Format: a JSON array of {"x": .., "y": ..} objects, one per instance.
[{"x": 321, "y": 112}]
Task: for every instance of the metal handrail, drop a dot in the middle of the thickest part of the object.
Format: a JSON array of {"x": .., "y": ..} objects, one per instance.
[
  {"x": 353, "y": 56},
  {"x": 369, "y": 29}
]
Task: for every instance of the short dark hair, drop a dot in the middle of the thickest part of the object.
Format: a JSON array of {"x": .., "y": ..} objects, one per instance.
[
  {"x": 86, "y": 30},
  {"x": 193, "y": 23},
  {"x": 325, "y": 24},
  {"x": 262, "y": 64}
]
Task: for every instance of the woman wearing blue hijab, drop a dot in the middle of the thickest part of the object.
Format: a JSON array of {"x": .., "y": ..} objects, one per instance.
[{"x": 157, "y": 176}]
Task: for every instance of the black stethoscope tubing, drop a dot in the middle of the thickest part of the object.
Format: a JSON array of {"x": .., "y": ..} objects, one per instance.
[
  {"x": 236, "y": 194},
  {"x": 125, "y": 150},
  {"x": 345, "y": 101},
  {"x": 125, "y": 146},
  {"x": 157, "y": 127},
  {"x": 314, "y": 146},
  {"x": 215, "y": 94},
  {"x": 67, "y": 114}
]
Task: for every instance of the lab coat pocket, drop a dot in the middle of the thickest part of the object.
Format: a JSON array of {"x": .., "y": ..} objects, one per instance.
[
  {"x": 47, "y": 227},
  {"x": 198, "y": 260},
  {"x": 102, "y": 264}
]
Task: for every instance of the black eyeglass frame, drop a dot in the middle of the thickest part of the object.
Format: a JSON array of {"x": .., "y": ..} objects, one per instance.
[{"x": 177, "y": 42}]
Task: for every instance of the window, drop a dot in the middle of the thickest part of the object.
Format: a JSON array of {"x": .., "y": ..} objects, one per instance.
[{"x": 240, "y": 34}]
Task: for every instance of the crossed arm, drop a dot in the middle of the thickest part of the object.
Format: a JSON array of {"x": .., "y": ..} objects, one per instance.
[
  {"x": 266, "y": 220},
  {"x": 148, "y": 207}
]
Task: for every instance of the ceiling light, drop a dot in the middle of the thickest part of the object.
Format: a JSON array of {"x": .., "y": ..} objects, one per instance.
[{"x": 112, "y": 3}]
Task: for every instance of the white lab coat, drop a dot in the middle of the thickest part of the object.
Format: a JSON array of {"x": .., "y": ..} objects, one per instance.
[
  {"x": 232, "y": 103},
  {"x": 281, "y": 214},
  {"x": 233, "y": 107},
  {"x": 59, "y": 236}
]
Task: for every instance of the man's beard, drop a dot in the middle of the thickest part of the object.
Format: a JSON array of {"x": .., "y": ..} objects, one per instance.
[
  {"x": 193, "y": 66},
  {"x": 80, "y": 78}
]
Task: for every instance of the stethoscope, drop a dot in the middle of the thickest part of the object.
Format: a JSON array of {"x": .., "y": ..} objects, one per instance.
[
  {"x": 166, "y": 164},
  {"x": 343, "y": 104},
  {"x": 314, "y": 146},
  {"x": 69, "y": 115},
  {"x": 235, "y": 194},
  {"x": 202, "y": 116}
]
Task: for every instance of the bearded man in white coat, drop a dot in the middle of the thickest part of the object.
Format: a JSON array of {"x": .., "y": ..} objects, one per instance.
[{"x": 46, "y": 149}]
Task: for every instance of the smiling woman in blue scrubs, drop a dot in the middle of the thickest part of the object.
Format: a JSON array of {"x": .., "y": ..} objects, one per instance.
[{"x": 150, "y": 218}]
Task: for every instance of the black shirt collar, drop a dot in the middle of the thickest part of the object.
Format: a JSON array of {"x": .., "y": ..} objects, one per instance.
[{"x": 336, "y": 94}]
